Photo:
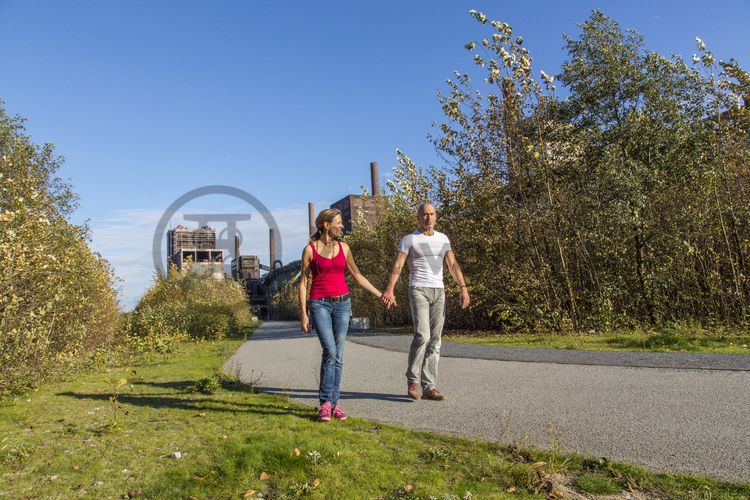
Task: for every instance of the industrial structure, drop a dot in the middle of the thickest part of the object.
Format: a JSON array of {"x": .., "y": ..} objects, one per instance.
[
  {"x": 195, "y": 251},
  {"x": 352, "y": 204}
]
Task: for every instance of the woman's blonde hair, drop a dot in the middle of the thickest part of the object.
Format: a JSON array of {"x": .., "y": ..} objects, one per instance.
[{"x": 324, "y": 216}]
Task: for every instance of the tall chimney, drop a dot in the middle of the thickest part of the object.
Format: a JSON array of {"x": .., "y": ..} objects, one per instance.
[
  {"x": 374, "y": 178},
  {"x": 237, "y": 249},
  {"x": 311, "y": 216},
  {"x": 272, "y": 247}
]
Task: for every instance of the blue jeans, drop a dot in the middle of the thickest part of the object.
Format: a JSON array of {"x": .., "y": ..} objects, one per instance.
[{"x": 331, "y": 323}]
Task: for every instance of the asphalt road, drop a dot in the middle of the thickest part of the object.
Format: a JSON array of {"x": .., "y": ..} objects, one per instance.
[{"x": 670, "y": 412}]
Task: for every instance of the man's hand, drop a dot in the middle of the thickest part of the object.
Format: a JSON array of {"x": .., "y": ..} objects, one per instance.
[
  {"x": 304, "y": 323},
  {"x": 464, "y": 299}
]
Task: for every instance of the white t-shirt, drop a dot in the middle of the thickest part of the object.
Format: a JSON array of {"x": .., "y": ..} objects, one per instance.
[{"x": 425, "y": 256}]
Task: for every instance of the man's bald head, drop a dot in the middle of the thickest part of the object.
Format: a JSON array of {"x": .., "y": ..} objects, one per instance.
[
  {"x": 427, "y": 217},
  {"x": 425, "y": 206}
]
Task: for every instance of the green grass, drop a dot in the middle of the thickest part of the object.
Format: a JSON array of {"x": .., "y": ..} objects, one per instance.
[
  {"x": 643, "y": 342},
  {"x": 597, "y": 484},
  {"x": 89, "y": 438},
  {"x": 668, "y": 339}
]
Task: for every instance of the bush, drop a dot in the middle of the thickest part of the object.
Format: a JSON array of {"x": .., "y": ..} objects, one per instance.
[
  {"x": 57, "y": 298},
  {"x": 186, "y": 306},
  {"x": 285, "y": 303}
]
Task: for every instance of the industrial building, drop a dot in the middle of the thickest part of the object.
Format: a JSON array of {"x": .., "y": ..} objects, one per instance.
[{"x": 194, "y": 250}]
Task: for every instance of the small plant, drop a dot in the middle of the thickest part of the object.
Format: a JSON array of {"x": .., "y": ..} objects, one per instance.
[
  {"x": 401, "y": 492},
  {"x": 315, "y": 457},
  {"x": 304, "y": 489},
  {"x": 18, "y": 454},
  {"x": 253, "y": 381},
  {"x": 114, "y": 405},
  {"x": 207, "y": 385},
  {"x": 599, "y": 463},
  {"x": 441, "y": 455},
  {"x": 232, "y": 379},
  {"x": 556, "y": 463}
]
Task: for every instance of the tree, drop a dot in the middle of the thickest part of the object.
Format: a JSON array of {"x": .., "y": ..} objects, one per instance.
[
  {"x": 57, "y": 297},
  {"x": 648, "y": 126},
  {"x": 626, "y": 203}
]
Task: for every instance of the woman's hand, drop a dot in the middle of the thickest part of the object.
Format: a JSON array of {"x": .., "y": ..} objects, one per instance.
[{"x": 304, "y": 323}]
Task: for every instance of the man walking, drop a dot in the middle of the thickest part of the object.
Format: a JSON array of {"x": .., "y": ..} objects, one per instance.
[{"x": 425, "y": 251}]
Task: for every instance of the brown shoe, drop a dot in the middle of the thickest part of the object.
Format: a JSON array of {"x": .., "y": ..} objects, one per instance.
[
  {"x": 415, "y": 392},
  {"x": 434, "y": 394}
]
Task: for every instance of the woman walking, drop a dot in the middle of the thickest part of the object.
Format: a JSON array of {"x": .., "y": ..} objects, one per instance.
[{"x": 326, "y": 258}]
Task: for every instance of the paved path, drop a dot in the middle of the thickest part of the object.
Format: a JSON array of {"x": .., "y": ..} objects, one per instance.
[
  {"x": 400, "y": 343},
  {"x": 673, "y": 418}
]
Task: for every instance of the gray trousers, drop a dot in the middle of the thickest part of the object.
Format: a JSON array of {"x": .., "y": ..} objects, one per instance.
[{"x": 428, "y": 315}]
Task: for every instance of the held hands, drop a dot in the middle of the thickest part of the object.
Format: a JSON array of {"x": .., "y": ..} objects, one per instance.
[{"x": 388, "y": 299}]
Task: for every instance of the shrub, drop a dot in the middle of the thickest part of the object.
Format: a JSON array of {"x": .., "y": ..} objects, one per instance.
[
  {"x": 285, "y": 302},
  {"x": 186, "y": 306},
  {"x": 57, "y": 298}
]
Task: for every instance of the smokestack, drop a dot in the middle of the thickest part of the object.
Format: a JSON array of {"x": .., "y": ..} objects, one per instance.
[
  {"x": 237, "y": 248},
  {"x": 311, "y": 216},
  {"x": 374, "y": 178},
  {"x": 272, "y": 247}
]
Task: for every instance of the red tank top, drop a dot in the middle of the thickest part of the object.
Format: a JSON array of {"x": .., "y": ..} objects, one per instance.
[{"x": 328, "y": 274}]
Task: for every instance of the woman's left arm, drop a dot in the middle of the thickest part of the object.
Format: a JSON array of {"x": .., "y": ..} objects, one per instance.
[{"x": 354, "y": 271}]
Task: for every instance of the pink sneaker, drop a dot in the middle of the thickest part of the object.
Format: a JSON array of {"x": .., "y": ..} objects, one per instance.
[
  {"x": 324, "y": 412},
  {"x": 338, "y": 414}
]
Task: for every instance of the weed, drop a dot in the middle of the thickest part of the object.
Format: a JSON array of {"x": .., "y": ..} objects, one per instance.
[
  {"x": 557, "y": 461},
  {"x": 600, "y": 463},
  {"x": 207, "y": 385},
  {"x": 401, "y": 492},
  {"x": 315, "y": 457},
  {"x": 250, "y": 383},
  {"x": 303, "y": 489},
  {"x": 115, "y": 385},
  {"x": 19, "y": 454},
  {"x": 439, "y": 455}
]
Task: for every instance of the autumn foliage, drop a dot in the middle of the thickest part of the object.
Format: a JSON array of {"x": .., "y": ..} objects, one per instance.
[
  {"x": 57, "y": 299},
  {"x": 620, "y": 198}
]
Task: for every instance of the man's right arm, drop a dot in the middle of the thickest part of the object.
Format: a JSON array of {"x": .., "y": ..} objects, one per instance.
[{"x": 389, "y": 297}]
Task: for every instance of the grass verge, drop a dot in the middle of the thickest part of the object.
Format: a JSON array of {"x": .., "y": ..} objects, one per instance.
[
  {"x": 175, "y": 428},
  {"x": 668, "y": 339}
]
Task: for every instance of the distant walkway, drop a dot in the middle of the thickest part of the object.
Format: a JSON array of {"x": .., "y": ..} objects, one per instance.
[
  {"x": 690, "y": 417},
  {"x": 678, "y": 360}
]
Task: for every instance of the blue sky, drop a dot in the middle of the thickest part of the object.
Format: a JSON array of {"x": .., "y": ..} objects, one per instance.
[{"x": 289, "y": 101}]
